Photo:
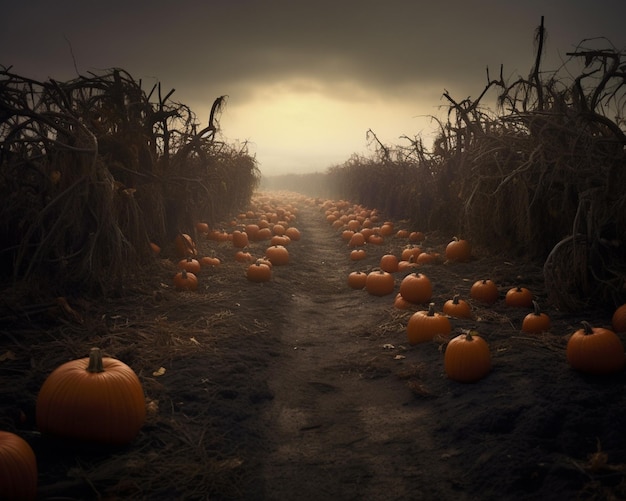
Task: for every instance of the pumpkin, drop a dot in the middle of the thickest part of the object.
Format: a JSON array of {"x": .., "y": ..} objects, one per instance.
[
  {"x": 283, "y": 240},
  {"x": 240, "y": 239},
  {"x": 156, "y": 250},
  {"x": 618, "y": 321},
  {"x": 357, "y": 254},
  {"x": 416, "y": 236},
  {"x": 402, "y": 233},
  {"x": 375, "y": 239},
  {"x": 264, "y": 233},
  {"x": 536, "y": 321},
  {"x": 402, "y": 304},
  {"x": 423, "y": 326},
  {"x": 595, "y": 350},
  {"x": 519, "y": 297},
  {"x": 357, "y": 279},
  {"x": 379, "y": 283},
  {"x": 189, "y": 264},
  {"x": 386, "y": 229},
  {"x": 278, "y": 255},
  {"x": 416, "y": 288},
  {"x": 426, "y": 258},
  {"x": 243, "y": 257},
  {"x": 458, "y": 250},
  {"x": 389, "y": 263},
  {"x": 278, "y": 229},
  {"x": 356, "y": 240},
  {"x": 406, "y": 265},
  {"x": 18, "y": 468},
  {"x": 184, "y": 245},
  {"x": 410, "y": 252},
  {"x": 185, "y": 281},
  {"x": 94, "y": 399},
  {"x": 210, "y": 261},
  {"x": 293, "y": 233},
  {"x": 259, "y": 272},
  {"x": 467, "y": 358},
  {"x": 456, "y": 307},
  {"x": 252, "y": 230},
  {"x": 202, "y": 228},
  {"x": 484, "y": 291}
]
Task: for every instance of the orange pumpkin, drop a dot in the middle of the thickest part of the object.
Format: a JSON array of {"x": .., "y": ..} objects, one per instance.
[
  {"x": 357, "y": 254},
  {"x": 416, "y": 288},
  {"x": 259, "y": 272},
  {"x": 519, "y": 297},
  {"x": 94, "y": 399},
  {"x": 210, "y": 261},
  {"x": 278, "y": 255},
  {"x": 293, "y": 233},
  {"x": 484, "y": 291},
  {"x": 189, "y": 264},
  {"x": 458, "y": 250},
  {"x": 458, "y": 308},
  {"x": 389, "y": 263},
  {"x": 357, "y": 279},
  {"x": 467, "y": 358},
  {"x": 424, "y": 326},
  {"x": 184, "y": 245},
  {"x": 243, "y": 257},
  {"x": 240, "y": 239},
  {"x": 536, "y": 321},
  {"x": 185, "y": 281},
  {"x": 595, "y": 350},
  {"x": 618, "y": 321},
  {"x": 379, "y": 283},
  {"x": 416, "y": 236},
  {"x": 18, "y": 468}
]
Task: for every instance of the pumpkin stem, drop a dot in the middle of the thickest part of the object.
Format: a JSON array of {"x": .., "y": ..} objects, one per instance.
[
  {"x": 536, "y": 308},
  {"x": 431, "y": 310},
  {"x": 95, "y": 361},
  {"x": 455, "y": 299},
  {"x": 469, "y": 335},
  {"x": 587, "y": 329}
]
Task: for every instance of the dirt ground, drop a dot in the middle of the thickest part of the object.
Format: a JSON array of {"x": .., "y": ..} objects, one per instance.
[{"x": 302, "y": 388}]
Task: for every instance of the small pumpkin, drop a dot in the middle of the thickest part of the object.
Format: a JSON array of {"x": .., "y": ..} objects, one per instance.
[
  {"x": 18, "y": 468},
  {"x": 618, "y": 321},
  {"x": 402, "y": 304},
  {"x": 357, "y": 279},
  {"x": 519, "y": 297},
  {"x": 184, "y": 245},
  {"x": 94, "y": 399},
  {"x": 458, "y": 250},
  {"x": 356, "y": 240},
  {"x": 202, "y": 227},
  {"x": 467, "y": 358},
  {"x": 416, "y": 288},
  {"x": 185, "y": 281},
  {"x": 409, "y": 252},
  {"x": 189, "y": 264},
  {"x": 240, "y": 239},
  {"x": 484, "y": 291},
  {"x": 278, "y": 255},
  {"x": 389, "y": 263},
  {"x": 457, "y": 307},
  {"x": 424, "y": 326},
  {"x": 293, "y": 233},
  {"x": 379, "y": 283},
  {"x": 426, "y": 258},
  {"x": 536, "y": 321},
  {"x": 259, "y": 272},
  {"x": 595, "y": 350},
  {"x": 210, "y": 261},
  {"x": 417, "y": 236},
  {"x": 357, "y": 254},
  {"x": 242, "y": 256}
]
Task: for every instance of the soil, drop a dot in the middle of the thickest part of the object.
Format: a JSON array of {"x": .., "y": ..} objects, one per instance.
[{"x": 302, "y": 388}]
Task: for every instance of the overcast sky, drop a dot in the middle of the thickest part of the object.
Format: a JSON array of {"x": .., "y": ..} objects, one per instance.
[{"x": 305, "y": 79}]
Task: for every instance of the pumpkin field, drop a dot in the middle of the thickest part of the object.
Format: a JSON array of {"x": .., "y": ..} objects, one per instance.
[{"x": 422, "y": 324}]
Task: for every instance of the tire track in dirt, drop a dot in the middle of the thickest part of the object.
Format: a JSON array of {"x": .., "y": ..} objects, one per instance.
[{"x": 341, "y": 425}]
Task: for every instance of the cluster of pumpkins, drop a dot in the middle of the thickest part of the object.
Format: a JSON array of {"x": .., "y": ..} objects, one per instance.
[
  {"x": 593, "y": 350},
  {"x": 266, "y": 221}
]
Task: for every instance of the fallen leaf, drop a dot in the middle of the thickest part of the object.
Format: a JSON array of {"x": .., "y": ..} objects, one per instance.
[{"x": 159, "y": 372}]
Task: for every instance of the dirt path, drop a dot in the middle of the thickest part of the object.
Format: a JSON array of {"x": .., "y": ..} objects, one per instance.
[{"x": 341, "y": 424}]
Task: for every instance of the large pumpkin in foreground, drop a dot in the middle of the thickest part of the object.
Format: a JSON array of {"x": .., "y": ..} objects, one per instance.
[
  {"x": 18, "y": 468},
  {"x": 95, "y": 399},
  {"x": 467, "y": 358},
  {"x": 595, "y": 350}
]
